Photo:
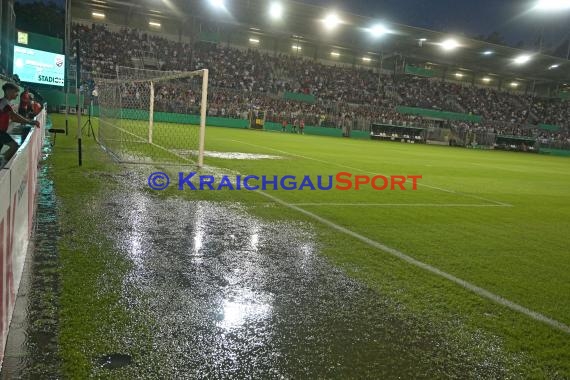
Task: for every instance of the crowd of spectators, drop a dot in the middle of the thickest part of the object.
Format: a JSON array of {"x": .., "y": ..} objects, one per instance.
[
  {"x": 552, "y": 111},
  {"x": 244, "y": 79}
]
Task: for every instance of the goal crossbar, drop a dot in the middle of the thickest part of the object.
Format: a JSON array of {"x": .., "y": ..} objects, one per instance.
[{"x": 179, "y": 96}]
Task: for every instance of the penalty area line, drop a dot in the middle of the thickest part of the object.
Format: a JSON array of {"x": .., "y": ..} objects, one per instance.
[
  {"x": 394, "y": 252},
  {"x": 372, "y": 173},
  {"x": 400, "y": 204}
]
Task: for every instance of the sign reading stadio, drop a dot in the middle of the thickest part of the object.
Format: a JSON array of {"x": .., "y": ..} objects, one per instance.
[{"x": 38, "y": 66}]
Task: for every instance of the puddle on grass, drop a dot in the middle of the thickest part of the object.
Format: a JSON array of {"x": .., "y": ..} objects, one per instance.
[
  {"x": 228, "y": 155},
  {"x": 115, "y": 361},
  {"x": 233, "y": 295},
  {"x": 32, "y": 346}
]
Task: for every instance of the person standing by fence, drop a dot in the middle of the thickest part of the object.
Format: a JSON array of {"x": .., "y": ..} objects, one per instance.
[{"x": 8, "y": 114}]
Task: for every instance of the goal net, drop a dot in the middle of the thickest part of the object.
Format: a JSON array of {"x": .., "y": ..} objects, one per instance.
[{"x": 150, "y": 116}]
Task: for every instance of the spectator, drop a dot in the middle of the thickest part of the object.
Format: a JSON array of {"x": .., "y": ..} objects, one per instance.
[{"x": 6, "y": 114}]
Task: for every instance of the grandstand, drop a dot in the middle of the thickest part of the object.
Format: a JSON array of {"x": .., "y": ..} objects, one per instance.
[
  {"x": 322, "y": 80},
  {"x": 200, "y": 233}
]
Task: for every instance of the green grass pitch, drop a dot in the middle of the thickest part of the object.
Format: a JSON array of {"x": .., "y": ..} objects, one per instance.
[{"x": 498, "y": 220}]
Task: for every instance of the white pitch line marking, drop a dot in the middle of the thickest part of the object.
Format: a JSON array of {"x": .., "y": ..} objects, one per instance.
[
  {"x": 394, "y": 252},
  {"x": 438, "y": 272},
  {"x": 399, "y": 204},
  {"x": 146, "y": 142},
  {"x": 369, "y": 172}
]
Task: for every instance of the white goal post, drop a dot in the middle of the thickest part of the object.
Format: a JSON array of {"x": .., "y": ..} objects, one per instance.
[{"x": 149, "y": 116}]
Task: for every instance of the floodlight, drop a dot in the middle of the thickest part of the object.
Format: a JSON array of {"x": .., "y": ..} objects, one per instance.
[
  {"x": 154, "y": 24},
  {"x": 488, "y": 52},
  {"x": 514, "y": 84},
  {"x": 449, "y": 44},
  {"x": 552, "y": 5},
  {"x": 486, "y": 79},
  {"x": 556, "y": 65},
  {"x": 335, "y": 54},
  {"x": 521, "y": 59},
  {"x": 331, "y": 21},
  {"x": 459, "y": 75},
  {"x": 378, "y": 30},
  {"x": 276, "y": 11},
  {"x": 254, "y": 40},
  {"x": 423, "y": 39},
  {"x": 297, "y": 47},
  {"x": 98, "y": 14},
  {"x": 366, "y": 59},
  {"x": 217, "y": 3}
]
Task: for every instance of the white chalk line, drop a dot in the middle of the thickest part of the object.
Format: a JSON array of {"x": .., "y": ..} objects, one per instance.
[
  {"x": 394, "y": 252},
  {"x": 484, "y": 293},
  {"x": 143, "y": 141},
  {"x": 399, "y": 204},
  {"x": 372, "y": 173},
  {"x": 438, "y": 272}
]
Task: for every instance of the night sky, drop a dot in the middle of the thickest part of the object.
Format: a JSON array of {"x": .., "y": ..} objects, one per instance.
[
  {"x": 59, "y": 3},
  {"x": 510, "y": 18},
  {"x": 473, "y": 17}
]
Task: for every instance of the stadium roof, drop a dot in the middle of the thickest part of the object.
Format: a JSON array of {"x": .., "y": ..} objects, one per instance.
[{"x": 304, "y": 23}]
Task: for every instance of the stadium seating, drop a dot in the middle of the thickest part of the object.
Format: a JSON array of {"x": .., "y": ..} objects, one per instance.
[{"x": 240, "y": 79}]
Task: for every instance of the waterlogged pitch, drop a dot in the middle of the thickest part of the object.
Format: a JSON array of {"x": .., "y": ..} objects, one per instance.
[{"x": 478, "y": 253}]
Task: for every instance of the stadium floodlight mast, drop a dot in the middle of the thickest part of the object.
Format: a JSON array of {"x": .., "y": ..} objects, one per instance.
[
  {"x": 377, "y": 31},
  {"x": 551, "y": 6}
]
